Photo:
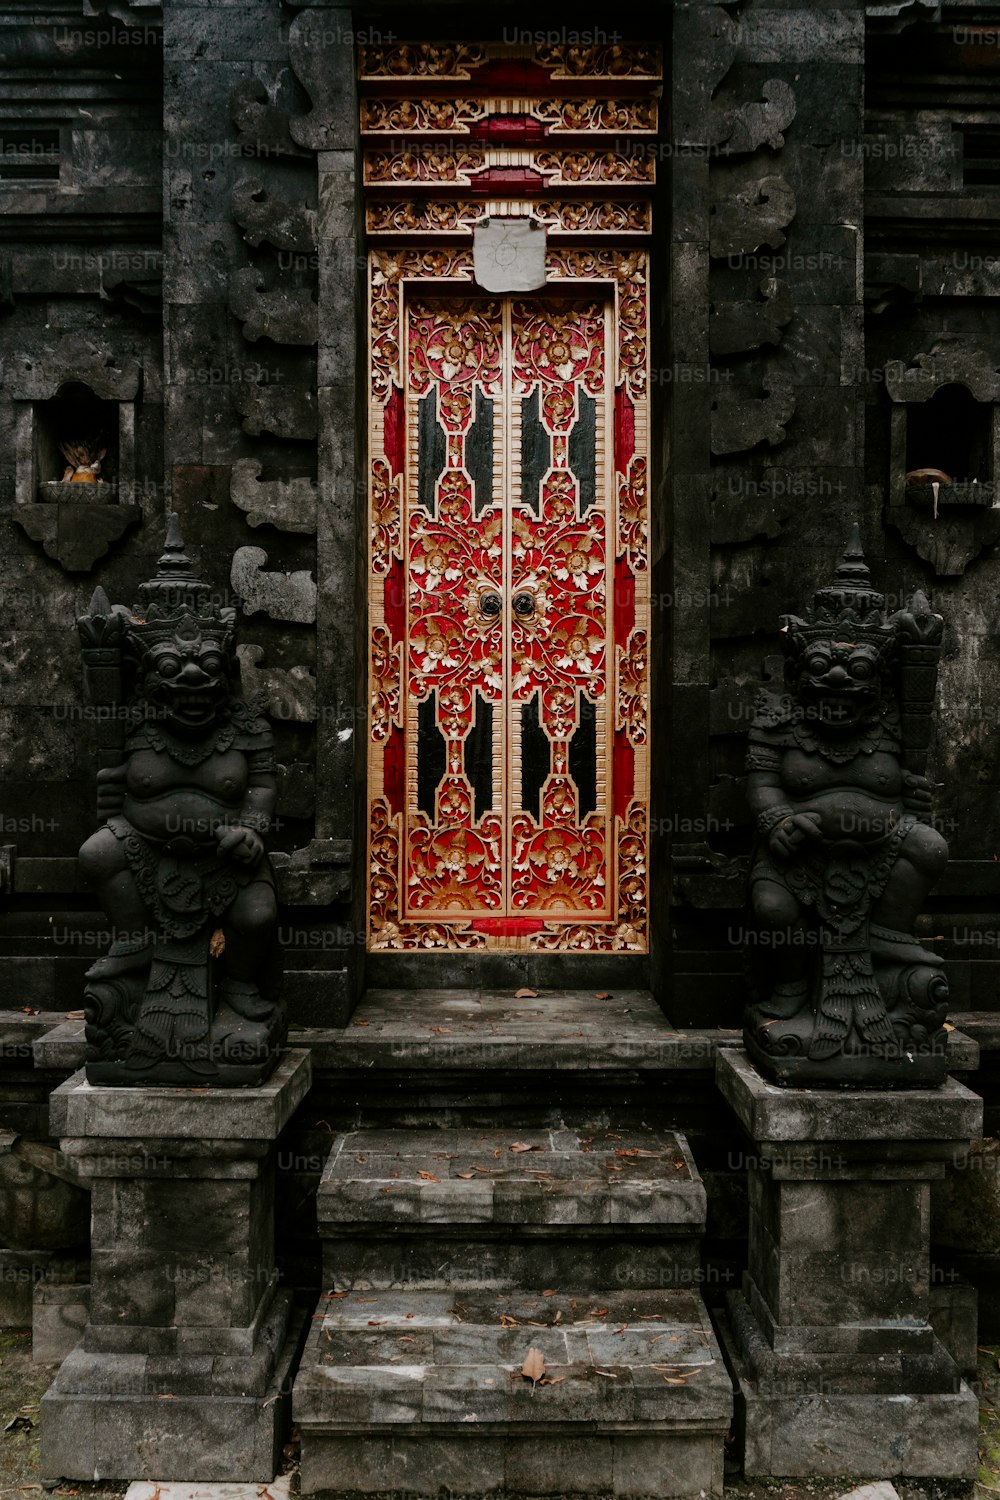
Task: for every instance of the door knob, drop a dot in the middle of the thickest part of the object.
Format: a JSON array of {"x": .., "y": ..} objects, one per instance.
[
  {"x": 524, "y": 605},
  {"x": 490, "y": 605}
]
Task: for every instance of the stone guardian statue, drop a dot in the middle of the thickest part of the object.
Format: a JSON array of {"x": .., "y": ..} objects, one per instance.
[
  {"x": 842, "y": 990},
  {"x": 188, "y": 990}
]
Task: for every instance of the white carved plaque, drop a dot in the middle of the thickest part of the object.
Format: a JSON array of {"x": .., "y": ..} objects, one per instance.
[{"x": 509, "y": 255}]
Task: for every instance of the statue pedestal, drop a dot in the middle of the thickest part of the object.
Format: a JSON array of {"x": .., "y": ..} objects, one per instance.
[
  {"x": 838, "y": 1370},
  {"x": 183, "y": 1369}
]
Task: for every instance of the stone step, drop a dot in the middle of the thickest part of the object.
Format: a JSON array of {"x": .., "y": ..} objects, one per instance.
[
  {"x": 465, "y": 1208},
  {"x": 422, "y": 1391}
]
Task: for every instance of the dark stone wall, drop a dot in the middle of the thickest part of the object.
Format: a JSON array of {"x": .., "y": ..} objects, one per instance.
[
  {"x": 766, "y": 469},
  {"x": 826, "y": 220},
  {"x": 80, "y": 272}
]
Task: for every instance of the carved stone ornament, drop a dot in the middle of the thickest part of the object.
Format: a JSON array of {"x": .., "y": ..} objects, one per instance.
[
  {"x": 842, "y": 990},
  {"x": 188, "y": 990}
]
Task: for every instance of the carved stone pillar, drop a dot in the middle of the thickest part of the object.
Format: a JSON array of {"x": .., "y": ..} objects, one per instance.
[
  {"x": 183, "y": 1370},
  {"x": 837, "y": 1368}
]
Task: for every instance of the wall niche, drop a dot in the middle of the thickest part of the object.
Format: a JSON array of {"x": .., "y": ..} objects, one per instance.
[
  {"x": 943, "y": 489},
  {"x": 75, "y": 463},
  {"x": 78, "y": 431}
]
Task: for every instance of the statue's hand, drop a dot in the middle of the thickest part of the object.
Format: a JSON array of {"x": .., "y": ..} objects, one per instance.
[
  {"x": 241, "y": 844},
  {"x": 111, "y": 790},
  {"x": 917, "y": 794},
  {"x": 788, "y": 836}
]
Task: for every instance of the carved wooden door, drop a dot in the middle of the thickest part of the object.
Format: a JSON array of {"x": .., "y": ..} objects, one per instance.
[
  {"x": 507, "y": 781},
  {"x": 507, "y": 794}
]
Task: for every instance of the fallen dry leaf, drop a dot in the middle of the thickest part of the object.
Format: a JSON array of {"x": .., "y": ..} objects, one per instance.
[
  {"x": 525, "y": 994},
  {"x": 552, "y": 1380},
  {"x": 74, "y": 1015},
  {"x": 506, "y": 1321},
  {"x": 602, "y": 995},
  {"x": 217, "y": 944},
  {"x": 519, "y": 1146},
  {"x": 550, "y": 1293},
  {"x": 465, "y": 1176},
  {"x": 428, "y": 1177},
  {"x": 534, "y": 1365}
]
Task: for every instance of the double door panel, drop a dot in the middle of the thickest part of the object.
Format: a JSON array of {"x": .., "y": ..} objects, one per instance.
[{"x": 506, "y": 693}]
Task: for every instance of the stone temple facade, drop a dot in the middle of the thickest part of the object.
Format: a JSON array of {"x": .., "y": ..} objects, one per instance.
[{"x": 511, "y": 370}]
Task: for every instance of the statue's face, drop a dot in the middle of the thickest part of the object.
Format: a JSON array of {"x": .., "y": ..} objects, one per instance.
[
  {"x": 840, "y": 682},
  {"x": 186, "y": 682}
]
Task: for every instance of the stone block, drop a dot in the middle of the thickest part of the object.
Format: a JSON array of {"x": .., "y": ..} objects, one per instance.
[
  {"x": 19, "y": 1271},
  {"x": 628, "y": 1376},
  {"x": 548, "y": 1178},
  {"x": 210, "y": 1437},
  {"x": 62, "y": 1049},
  {"x": 131, "y": 1286},
  {"x": 679, "y": 1464},
  {"x": 41, "y": 1207},
  {"x": 796, "y": 1426},
  {"x": 954, "y": 1318},
  {"x": 81, "y": 1110},
  {"x": 561, "y": 1466},
  {"x": 369, "y": 1462},
  {"x": 774, "y": 1115},
  {"x": 59, "y": 1316}
]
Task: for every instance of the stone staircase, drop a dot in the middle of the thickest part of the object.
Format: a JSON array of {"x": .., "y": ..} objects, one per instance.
[{"x": 449, "y": 1254}]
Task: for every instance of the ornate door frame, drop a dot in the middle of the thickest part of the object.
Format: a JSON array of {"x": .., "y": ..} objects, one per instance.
[
  {"x": 561, "y": 135},
  {"x": 622, "y": 275}
]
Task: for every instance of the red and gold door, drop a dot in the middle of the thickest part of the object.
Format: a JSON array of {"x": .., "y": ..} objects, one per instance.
[{"x": 508, "y": 761}]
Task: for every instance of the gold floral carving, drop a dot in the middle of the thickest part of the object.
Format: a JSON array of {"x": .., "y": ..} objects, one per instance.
[
  {"x": 424, "y": 162},
  {"x": 399, "y": 116},
  {"x": 637, "y": 116},
  {"x": 610, "y": 167},
  {"x": 387, "y": 930},
  {"x": 633, "y": 676},
  {"x": 583, "y": 216},
  {"x": 446, "y": 60},
  {"x": 601, "y": 60},
  {"x": 457, "y": 61}
]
